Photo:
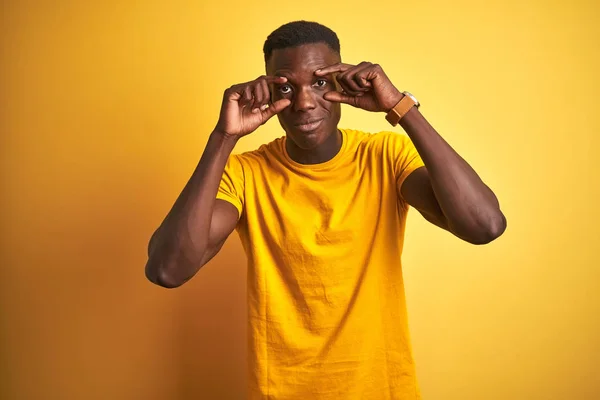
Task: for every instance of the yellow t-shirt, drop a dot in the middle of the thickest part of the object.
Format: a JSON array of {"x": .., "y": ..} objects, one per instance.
[{"x": 326, "y": 304}]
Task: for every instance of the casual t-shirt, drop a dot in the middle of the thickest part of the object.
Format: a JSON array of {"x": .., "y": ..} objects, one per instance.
[{"x": 326, "y": 304}]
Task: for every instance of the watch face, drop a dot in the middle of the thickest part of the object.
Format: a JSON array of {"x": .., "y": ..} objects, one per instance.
[{"x": 413, "y": 98}]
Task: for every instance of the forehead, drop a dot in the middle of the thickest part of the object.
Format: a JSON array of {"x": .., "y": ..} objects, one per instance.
[{"x": 301, "y": 59}]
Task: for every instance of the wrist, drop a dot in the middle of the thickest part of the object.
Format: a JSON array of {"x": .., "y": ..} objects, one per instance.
[
  {"x": 225, "y": 139},
  {"x": 405, "y": 105},
  {"x": 394, "y": 100},
  {"x": 410, "y": 117}
]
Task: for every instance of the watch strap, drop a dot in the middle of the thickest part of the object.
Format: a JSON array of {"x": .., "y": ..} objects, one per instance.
[{"x": 399, "y": 110}]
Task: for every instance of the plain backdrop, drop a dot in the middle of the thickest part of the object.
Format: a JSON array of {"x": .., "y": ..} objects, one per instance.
[{"x": 106, "y": 107}]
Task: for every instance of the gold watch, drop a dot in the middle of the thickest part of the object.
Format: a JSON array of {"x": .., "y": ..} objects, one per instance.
[{"x": 407, "y": 102}]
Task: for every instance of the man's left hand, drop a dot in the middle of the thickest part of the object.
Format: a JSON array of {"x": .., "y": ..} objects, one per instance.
[{"x": 364, "y": 86}]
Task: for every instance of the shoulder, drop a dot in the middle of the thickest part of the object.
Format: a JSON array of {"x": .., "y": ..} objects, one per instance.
[
  {"x": 391, "y": 138},
  {"x": 362, "y": 140},
  {"x": 265, "y": 153},
  {"x": 375, "y": 137},
  {"x": 382, "y": 142}
]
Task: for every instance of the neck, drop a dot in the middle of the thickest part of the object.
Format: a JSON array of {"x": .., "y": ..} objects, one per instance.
[{"x": 320, "y": 154}]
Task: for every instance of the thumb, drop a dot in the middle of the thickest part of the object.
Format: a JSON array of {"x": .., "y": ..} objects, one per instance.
[
  {"x": 275, "y": 108},
  {"x": 340, "y": 98}
]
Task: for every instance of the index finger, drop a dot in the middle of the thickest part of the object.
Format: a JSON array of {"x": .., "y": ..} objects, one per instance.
[
  {"x": 339, "y": 67},
  {"x": 274, "y": 79}
]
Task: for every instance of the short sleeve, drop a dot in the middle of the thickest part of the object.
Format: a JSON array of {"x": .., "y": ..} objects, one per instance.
[
  {"x": 231, "y": 187},
  {"x": 405, "y": 157}
]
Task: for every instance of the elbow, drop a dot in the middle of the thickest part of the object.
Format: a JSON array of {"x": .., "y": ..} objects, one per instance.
[
  {"x": 491, "y": 231},
  {"x": 168, "y": 281},
  {"x": 484, "y": 233},
  {"x": 159, "y": 274},
  {"x": 171, "y": 267}
]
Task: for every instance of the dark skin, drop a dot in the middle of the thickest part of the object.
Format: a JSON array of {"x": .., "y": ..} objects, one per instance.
[
  {"x": 306, "y": 92},
  {"x": 447, "y": 192},
  {"x": 305, "y": 87}
]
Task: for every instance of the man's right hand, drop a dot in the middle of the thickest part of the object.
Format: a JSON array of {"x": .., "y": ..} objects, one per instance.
[{"x": 248, "y": 105}]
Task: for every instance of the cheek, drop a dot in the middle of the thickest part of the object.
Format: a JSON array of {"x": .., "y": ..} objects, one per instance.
[
  {"x": 277, "y": 95},
  {"x": 336, "y": 111},
  {"x": 283, "y": 117},
  {"x": 333, "y": 108}
]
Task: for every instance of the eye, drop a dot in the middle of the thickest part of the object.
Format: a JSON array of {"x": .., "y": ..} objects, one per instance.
[
  {"x": 321, "y": 82},
  {"x": 285, "y": 89}
]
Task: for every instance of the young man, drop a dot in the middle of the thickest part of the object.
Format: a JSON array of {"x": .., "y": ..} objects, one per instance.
[{"x": 321, "y": 213}]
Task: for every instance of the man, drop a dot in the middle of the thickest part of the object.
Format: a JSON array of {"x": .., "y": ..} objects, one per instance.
[{"x": 321, "y": 215}]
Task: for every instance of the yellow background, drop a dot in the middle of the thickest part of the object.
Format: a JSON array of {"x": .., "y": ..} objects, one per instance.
[{"x": 106, "y": 108}]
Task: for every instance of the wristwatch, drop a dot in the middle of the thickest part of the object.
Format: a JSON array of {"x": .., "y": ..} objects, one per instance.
[{"x": 407, "y": 102}]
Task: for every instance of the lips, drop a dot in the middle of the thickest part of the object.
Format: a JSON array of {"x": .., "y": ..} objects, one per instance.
[{"x": 309, "y": 125}]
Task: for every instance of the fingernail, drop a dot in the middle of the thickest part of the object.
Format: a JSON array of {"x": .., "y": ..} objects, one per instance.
[
  {"x": 255, "y": 110},
  {"x": 264, "y": 107}
]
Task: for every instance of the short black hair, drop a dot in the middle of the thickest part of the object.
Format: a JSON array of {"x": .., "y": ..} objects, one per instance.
[{"x": 297, "y": 33}]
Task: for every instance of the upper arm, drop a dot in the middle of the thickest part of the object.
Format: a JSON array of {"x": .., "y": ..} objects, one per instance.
[
  {"x": 223, "y": 222},
  {"x": 412, "y": 179},
  {"x": 417, "y": 191},
  {"x": 228, "y": 207}
]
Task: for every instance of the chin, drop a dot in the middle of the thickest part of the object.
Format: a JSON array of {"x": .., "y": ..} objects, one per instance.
[{"x": 308, "y": 140}]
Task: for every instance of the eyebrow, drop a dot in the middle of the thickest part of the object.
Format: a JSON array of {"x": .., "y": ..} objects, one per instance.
[
  {"x": 280, "y": 72},
  {"x": 287, "y": 75}
]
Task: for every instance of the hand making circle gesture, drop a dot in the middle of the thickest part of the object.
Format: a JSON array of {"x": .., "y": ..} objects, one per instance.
[
  {"x": 364, "y": 86},
  {"x": 247, "y": 106}
]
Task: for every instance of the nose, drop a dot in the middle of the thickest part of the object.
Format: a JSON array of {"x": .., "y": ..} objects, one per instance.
[{"x": 305, "y": 100}]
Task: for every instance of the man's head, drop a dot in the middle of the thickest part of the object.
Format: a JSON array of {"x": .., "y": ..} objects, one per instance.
[{"x": 296, "y": 50}]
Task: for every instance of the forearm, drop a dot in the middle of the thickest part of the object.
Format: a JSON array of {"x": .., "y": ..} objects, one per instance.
[
  {"x": 470, "y": 207},
  {"x": 176, "y": 248}
]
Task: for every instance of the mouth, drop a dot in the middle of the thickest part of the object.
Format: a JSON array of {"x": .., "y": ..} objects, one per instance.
[{"x": 309, "y": 125}]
